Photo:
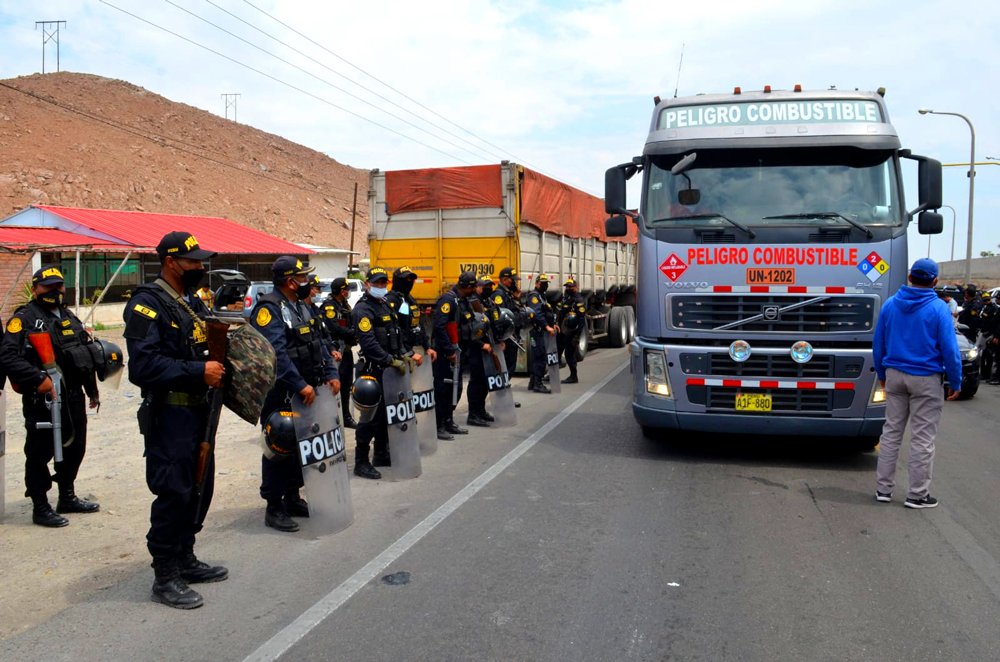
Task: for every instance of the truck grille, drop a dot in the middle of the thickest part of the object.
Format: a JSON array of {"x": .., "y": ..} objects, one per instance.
[
  {"x": 819, "y": 402},
  {"x": 773, "y": 366},
  {"x": 830, "y": 314}
]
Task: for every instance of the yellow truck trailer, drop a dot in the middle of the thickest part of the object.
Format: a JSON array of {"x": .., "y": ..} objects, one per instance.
[{"x": 440, "y": 222}]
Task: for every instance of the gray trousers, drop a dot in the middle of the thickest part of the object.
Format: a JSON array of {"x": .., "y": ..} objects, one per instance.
[{"x": 919, "y": 400}]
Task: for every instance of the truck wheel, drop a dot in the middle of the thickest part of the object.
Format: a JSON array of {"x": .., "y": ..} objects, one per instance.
[
  {"x": 630, "y": 316},
  {"x": 617, "y": 327},
  {"x": 582, "y": 345}
]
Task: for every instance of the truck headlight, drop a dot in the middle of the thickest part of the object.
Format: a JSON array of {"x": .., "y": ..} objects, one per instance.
[
  {"x": 972, "y": 354},
  {"x": 878, "y": 394},
  {"x": 657, "y": 381}
]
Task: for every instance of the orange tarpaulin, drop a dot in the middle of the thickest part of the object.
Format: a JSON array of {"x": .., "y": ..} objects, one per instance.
[{"x": 546, "y": 203}]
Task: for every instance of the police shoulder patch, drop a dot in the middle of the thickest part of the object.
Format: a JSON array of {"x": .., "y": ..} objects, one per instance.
[
  {"x": 263, "y": 316},
  {"x": 330, "y": 312},
  {"x": 446, "y": 307},
  {"x": 365, "y": 324},
  {"x": 498, "y": 300},
  {"x": 14, "y": 325},
  {"x": 146, "y": 312}
]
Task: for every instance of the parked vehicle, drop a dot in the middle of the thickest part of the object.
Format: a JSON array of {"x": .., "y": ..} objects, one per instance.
[
  {"x": 236, "y": 296},
  {"x": 442, "y": 221},
  {"x": 971, "y": 359}
]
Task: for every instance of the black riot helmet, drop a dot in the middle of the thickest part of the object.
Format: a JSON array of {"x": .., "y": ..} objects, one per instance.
[
  {"x": 480, "y": 322},
  {"x": 504, "y": 324},
  {"x": 366, "y": 395},
  {"x": 572, "y": 323},
  {"x": 279, "y": 436},
  {"x": 108, "y": 360}
]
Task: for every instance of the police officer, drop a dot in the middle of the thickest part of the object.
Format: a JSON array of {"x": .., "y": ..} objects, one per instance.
[
  {"x": 571, "y": 302},
  {"x": 475, "y": 342},
  {"x": 447, "y": 313},
  {"x": 504, "y": 297},
  {"x": 304, "y": 363},
  {"x": 168, "y": 360},
  {"x": 972, "y": 306},
  {"x": 380, "y": 340},
  {"x": 988, "y": 326},
  {"x": 46, "y": 313},
  {"x": 407, "y": 311},
  {"x": 336, "y": 315},
  {"x": 542, "y": 322}
]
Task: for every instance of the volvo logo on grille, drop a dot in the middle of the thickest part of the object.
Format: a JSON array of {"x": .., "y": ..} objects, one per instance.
[{"x": 771, "y": 313}]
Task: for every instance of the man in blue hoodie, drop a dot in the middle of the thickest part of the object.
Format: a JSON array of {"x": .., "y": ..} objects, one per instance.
[{"x": 914, "y": 344}]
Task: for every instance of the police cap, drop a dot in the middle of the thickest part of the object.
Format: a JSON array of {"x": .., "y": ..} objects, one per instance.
[
  {"x": 375, "y": 274},
  {"x": 181, "y": 244},
  {"x": 338, "y": 285},
  {"x": 542, "y": 278},
  {"x": 467, "y": 279},
  {"x": 570, "y": 282},
  {"x": 289, "y": 265},
  {"x": 508, "y": 272},
  {"x": 47, "y": 275},
  {"x": 403, "y": 272}
]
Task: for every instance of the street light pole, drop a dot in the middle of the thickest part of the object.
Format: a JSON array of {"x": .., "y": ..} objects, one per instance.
[
  {"x": 972, "y": 185},
  {"x": 953, "y": 223}
]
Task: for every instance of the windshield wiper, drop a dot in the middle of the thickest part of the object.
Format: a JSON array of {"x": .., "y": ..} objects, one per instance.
[
  {"x": 726, "y": 219},
  {"x": 825, "y": 214}
]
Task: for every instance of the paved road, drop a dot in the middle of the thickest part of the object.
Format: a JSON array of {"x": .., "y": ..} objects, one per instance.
[{"x": 589, "y": 542}]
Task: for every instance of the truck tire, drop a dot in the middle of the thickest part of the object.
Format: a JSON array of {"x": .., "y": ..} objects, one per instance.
[
  {"x": 630, "y": 312},
  {"x": 617, "y": 327},
  {"x": 582, "y": 345}
]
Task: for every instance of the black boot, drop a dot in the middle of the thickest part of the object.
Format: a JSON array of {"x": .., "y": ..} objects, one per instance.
[
  {"x": 194, "y": 571},
  {"x": 277, "y": 518},
  {"x": 477, "y": 420},
  {"x": 295, "y": 505},
  {"x": 487, "y": 415},
  {"x": 453, "y": 428},
  {"x": 69, "y": 502},
  {"x": 43, "y": 515},
  {"x": 541, "y": 388},
  {"x": 381, "y": 460},
  {"x": 444, "y": 435},
  {"x": 571, "y": 379},
  {"x": 170, "y": 589},
  {"x": 349, "y": 422},
  {"x": 364, "y": 469}
]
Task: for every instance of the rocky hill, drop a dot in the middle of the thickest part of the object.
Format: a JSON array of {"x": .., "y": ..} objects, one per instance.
[{"x": 80, "y": 140}]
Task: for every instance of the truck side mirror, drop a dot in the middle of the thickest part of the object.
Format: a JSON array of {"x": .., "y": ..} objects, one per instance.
[
  {"x": 617, "y": 226},
  {"x": 930, "y": 222},
  {"x": 614, "y": 190},
  {"x": 929, "y": 184}
]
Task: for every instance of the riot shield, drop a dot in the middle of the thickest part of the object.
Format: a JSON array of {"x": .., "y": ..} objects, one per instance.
[
  {"x": 552, "y": 361},
  {"x": 401, "y": 423},
  {"x": 423, "y": 403},
  {"x": 498, "y": 384},
  {"x": 323, "y": 458}
]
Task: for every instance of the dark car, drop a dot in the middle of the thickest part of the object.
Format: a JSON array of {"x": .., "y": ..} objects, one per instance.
[{"x": 970, "y": 364}]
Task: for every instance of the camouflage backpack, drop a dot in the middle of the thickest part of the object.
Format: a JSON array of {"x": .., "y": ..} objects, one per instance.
[{"x": 250, "y": 367}]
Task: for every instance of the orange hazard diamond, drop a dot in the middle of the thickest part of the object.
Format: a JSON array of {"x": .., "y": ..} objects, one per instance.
[{"x": 673, "y": 267}]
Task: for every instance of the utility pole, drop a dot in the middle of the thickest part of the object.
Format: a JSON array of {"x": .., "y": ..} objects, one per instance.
[
  {"x": 354, "y": 218},
  {"x": 230, "y": 99},
  {"x": 50, "y": 33}
]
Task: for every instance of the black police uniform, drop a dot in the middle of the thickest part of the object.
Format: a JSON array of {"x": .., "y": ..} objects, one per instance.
[
  {"x": 472, "y": 340},
  {"x": 543, "y": 316},
  {"x": 408, "y": 314},
  {"x": 504, "y": 298},
  {"x": 971, "y": 309},
  {"x": 570, "y": 303},
  {"x": 23, "y": 366},
  {"x": 445, "y": 341},
  {"x": 336, "y": 316},
  {"x": 380, "y": 342},
  {"x": 303, "y": 358},
  {"x": 167, "y": 354}
]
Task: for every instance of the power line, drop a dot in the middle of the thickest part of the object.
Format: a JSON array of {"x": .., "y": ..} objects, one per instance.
[
  {"x": 351, "y": 81},
  {"x": 286, "y": 84},
  {"x": 382, "y": 82}
]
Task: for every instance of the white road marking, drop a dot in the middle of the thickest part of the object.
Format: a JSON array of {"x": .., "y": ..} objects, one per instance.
[{"x": 279, "y": 644}]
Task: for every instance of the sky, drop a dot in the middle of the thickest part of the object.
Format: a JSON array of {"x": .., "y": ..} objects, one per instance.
[{"x": 565, "y": 88}]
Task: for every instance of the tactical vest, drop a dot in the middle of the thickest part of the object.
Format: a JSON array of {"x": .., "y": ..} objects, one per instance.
[
  {"x": 69, "y": 340},
  {"x": 385, "y": 326},
  {"x": 303, "y": 340},
  {"x": 410, "y": 320},
  {"x": 195, "y": 337}
]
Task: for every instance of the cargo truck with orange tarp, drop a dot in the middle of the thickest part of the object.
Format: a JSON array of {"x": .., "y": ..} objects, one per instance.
[{"x": 440, "y": 222}]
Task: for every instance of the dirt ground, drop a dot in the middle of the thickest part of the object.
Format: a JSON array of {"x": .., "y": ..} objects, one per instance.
[{"x": 42, "y": 571}]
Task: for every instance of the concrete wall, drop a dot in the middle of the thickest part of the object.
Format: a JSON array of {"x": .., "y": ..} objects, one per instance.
[{"x": 985, "y": 272}]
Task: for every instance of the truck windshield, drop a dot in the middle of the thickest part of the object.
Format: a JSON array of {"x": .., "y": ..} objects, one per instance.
[{"x": 817, "y": 186}]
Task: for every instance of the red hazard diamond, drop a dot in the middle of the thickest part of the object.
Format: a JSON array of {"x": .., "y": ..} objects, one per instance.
[{"x": 673, "y": 267}]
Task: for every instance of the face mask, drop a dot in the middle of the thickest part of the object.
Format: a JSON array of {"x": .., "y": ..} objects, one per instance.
[
  {"x": 52, "y": 299},
  {"x": 404, "y": 285},
  {"x": 543, "y": 286},
  {"x": 191, "y": 277},
  {"x": 378, "y": 292},
  {"x": 302, "y": 290}
]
